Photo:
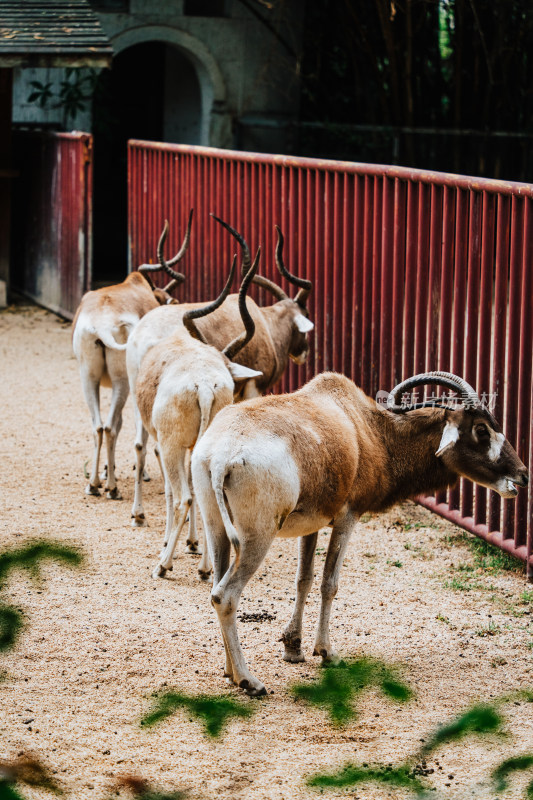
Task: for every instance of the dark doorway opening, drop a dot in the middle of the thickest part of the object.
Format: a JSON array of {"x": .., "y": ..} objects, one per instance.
[
  {"x": 128, "y": 104},
  {"x": 151, "y": 92}
]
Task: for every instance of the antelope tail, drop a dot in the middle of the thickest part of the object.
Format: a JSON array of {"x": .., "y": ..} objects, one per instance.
[{"x": 218, "y": 477}]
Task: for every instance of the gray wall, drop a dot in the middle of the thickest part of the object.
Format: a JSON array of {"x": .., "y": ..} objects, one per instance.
[{"x": 219, "y": 71}]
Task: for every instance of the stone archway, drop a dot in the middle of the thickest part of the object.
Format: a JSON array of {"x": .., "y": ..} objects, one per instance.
[{"x": 215, "y": 121}]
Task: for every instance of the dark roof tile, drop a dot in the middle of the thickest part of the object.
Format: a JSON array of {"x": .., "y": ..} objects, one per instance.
[{"x": 51, "y": 33}]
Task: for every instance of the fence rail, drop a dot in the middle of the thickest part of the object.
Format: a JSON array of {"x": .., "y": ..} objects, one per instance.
[{"x": 412, "y": 271}]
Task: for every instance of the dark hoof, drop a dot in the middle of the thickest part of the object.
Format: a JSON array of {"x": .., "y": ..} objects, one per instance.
[
  {"x": 251, "y": 690},
  {"x": 159, "y": 572},
  {"x": 325, "y": 655},
  {"x": 94, "y": 491}
]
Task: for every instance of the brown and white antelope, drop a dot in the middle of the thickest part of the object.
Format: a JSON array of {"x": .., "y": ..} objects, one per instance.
[
  {"x": 288, "y": 465},
  {"x": 100, "y": 330},
  {"x": 181, "y": 385}
]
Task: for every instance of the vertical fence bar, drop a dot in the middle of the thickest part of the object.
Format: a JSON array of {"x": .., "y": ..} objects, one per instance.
[
  {"x": 499, "y": 333},
  {"x": 366, "y": 340},
  {"x": 399, "y": 280},
  {"x": 446, "y": 288},
  {"x": 338, "y": 331},
  {"x": 349, "y": 276},
  {"x": 471, "y": 339},
  {"x": 459, "y": 305},
  {"x": 485, "y": 321},
  {"x": 524, "y": 376},
  {"x": 358, "y": 263},
  {"x": 411, "y": 260},
  {"x": 386, "y": 286},
  {"x": 424, "y": 210},
  {"x": 375, "y": 312},
  {"x": 513, "y": 352},
  {"x": 434, "y": 297}
]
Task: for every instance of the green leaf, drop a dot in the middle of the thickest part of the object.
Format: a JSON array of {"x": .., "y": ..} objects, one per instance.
[
  {"x": 27, "y": 770},
  {"x": 30, "y": 555},
  {"x": 353, "y": 774},
  {"x": 510, "y": 765},
  {"x": 340, "y": 684},
  {"x": 42, "y": 87},
  {"x": 397, "y": 691},
  {"x": 7, "y": 792},
  {"x": 10, "y": 626},
  {"x": 479, "y": 719},
  {"x": 213, "y": 711}
]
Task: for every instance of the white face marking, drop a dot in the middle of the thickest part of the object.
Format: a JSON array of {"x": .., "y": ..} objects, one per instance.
[
  {"x": 496, "y": 444},
  {"x": 303, "y": 324},
  {"x": 450, "y": 435},
  {"x": 505, "y": 488}
]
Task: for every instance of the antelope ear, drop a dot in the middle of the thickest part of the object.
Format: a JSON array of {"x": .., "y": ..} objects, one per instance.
[
  {"x": 303, "y": 324},
  {"x": 240, "y": 373},
  {"x": 450, "y": 435}
]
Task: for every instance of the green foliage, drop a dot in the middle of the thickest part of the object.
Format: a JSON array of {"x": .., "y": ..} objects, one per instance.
[
  {"x": 41, "y": 95},
  {"x": 213, "y": 711},
  {"x": 7, "y": 792},
  {"x": 353, "y": 774},
  {"x": 490, "y": 558},
  {"x": 10, "y": 626},
  {"x": 341, "y": 682},
  {"x": 506, "y": 768},
  {"x": 25, "y": 770},
  {"x": 30, "y": 556},
  {"x": 478, "y": 719},
  {"x": 481, "y": 719},
  {"x": 75, "y": 91}
]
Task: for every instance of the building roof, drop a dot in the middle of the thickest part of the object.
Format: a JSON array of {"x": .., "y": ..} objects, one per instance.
[{"x": 51, "y": 33}]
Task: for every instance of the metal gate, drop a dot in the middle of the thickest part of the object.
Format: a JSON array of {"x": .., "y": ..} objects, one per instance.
[
  {"x": 412, "y": 271},
  {"x": 52, "y": 218}
]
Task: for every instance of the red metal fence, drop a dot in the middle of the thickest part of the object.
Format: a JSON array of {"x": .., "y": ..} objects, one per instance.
[
  {"x": 52, "y": 218},
  {"x": 412, "y": 271}
]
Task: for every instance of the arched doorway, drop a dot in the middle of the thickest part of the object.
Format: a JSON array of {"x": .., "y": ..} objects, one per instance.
[{"x": 151, "y": 92}]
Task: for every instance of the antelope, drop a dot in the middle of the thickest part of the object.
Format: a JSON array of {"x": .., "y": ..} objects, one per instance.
[
  {"x": 280, "y": 333},
  {"x": 287, "y": 465},
  {"x": 181, "y": 385},
  {"x": 103, "y": 321}
]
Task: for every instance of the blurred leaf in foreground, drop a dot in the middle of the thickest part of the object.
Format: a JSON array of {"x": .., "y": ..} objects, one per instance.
[
  {"x": 341, "y": 682},
  {"x": 30, "y": 555},
  {"x": 10, "y": 625},
  {"x": 478, "y": 719},
  {"x": 213, "y": 711},
  {"x": 517, "y": 764},
  {"x": 7, "y": 792},
  {"x": 140, "y": 789},
  {"x": 28, "y": 770},
  {"x": 353, "y": 774}
]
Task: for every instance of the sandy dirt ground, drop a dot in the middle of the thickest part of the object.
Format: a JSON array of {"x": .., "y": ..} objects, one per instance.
[{"x": 100, "y": 640}]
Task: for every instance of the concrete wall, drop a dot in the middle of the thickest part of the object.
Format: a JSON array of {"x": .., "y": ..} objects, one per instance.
[{"x": 242, "y": 69}]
